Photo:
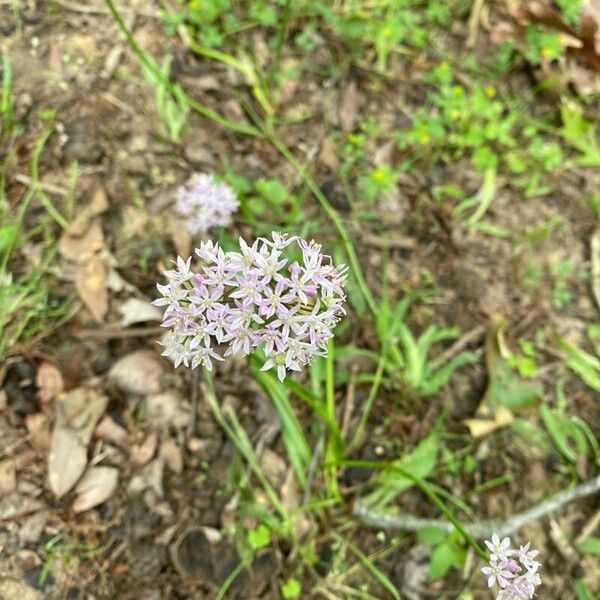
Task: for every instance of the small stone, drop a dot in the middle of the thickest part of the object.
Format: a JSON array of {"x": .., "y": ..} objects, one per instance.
[
  {"x": 469, "y": 285},
  {"x": 198, "y": 154},
  {"x": 82, "y": 141},
  {"x": 138, "y": 373}
]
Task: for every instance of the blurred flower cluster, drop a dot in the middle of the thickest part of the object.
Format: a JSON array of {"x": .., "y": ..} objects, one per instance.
[
  {"x": 257, "y": 297},
  {"x": 205, "y": 202},
  {"x": 515, "y": 572}
]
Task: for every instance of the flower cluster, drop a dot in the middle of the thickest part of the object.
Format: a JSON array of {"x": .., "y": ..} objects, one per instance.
[
  {"x": 205, "y": 202},
  {"x": 515, "y": 572},
  {"x": 257, "y": 297}
]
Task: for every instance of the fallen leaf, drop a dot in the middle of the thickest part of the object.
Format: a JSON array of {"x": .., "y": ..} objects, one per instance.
[
  {"x": 135, "y": 310},
  {"x": 8, "y": 476},
  {"x": 141, "y": 454},
  {"x": 97, "y": 206},
  {"x": 166, "y": 410},
  {"x": 171, "y": 453},
  {"x": 150, "y": 477},
  {"x": 49, "y": 381},
  {"x": 180, "y": 236},
  {"x": 480, "y": 427},
  {"x": 95, "y": 487},
  {"x": 506, "y": 390},
  {"x": 15, "y": 505},
  {"x": 138, "y": 373},
  {"x": 39, "y": 430},
  {"x": 33, "y": 527},
  {"x": 328, "y": 154},
  {"x": 77, "y": 413},
  {"x": 112, "y": 432},
  {"x": 90, "y": 282},
  {"x": 13, "y": 589},
  {"x": 80, "y": 248},
  {"x": 347, "y": 110}
]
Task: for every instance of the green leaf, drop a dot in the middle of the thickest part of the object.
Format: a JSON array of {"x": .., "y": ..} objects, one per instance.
[
  {"x": 259, "y": 537},
  {"x": 291, "y": 589},
  {"x": 431, "y": 534},
  {"x": 582, "y": 592},
  {"x": 442, "y": 559},
  {"x": 420, "y": 463},
  {"x": 584, "y": 364},
  {"x": 566, "y": 435},
  {"x": 590, "y": 546},
  {"x": 272, "y": 190}
]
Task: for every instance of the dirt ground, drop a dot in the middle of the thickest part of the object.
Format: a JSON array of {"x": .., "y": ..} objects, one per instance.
[{"x": 158, "y": 535}]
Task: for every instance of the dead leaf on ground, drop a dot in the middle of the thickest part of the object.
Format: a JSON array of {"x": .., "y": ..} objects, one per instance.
[
  {"x": 139, "y": 372},
  {"x": 80, "y": 248},
  {"x": 141, "y": 454},
  {"x": 135, "y": 310},
  {"x": 33, "y": 527},
  {"x": 348, "y": 105},
  {"x": 97, "y": 206},
  {"x": 149, "y": 478},
  {"x": 39, "y": 430},
  {"x": 480, "y": 427},
  {"x": 90, "y": 281},
  {"x": 15, "y": 505},
  {"x": 95, "y": 487},
  {"x": 49, "y": 381},
  {"x": 180, "y": 236},
  {"x": 8, "y": 476},
  {"x": 506, "y": 390},
  {"x": 13, "y": 589},
  {"x": 111, "y": 431},
  {"x": 171, "y": 452},
  {"x": 77, "y": 413},
  {"x": 166, "y": 410}
]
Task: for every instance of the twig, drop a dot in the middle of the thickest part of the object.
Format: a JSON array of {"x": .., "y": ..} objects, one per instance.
[
  {"x": 589, "y": 528},
  {"x": 46, "y": 187},
  {"x": 479, "y": 529},
  {"x": 194, "y": 392},
  {"x": 96, "y": 10},
  {"x": 465, "y": 340},
  {"x": 474, "y": 20},
  {"x": 312, "y": 468},
  {"x": 349, "y": 404}
]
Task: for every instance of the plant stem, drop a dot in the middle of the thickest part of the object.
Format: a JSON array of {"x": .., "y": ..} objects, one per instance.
[{"x": 175, "y": 89}]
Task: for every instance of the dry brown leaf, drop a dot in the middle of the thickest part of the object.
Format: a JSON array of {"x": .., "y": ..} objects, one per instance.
[
  {"x": 180, "y": 236},
  {"x": 90, "y": 281},
  {"x": 39, "y": 430},
  {"x": 135, "y": 310},
  {"x": 96, "y": 207},
  {"x": 8, "y": 476},
  {"x": 15, "y": 505},
  {"x": 348, "y": 105},
  {"x": 138, "y": 373},
  {"x": 95, "y": 487},
  {"x": 142, "y": 454},
  {"x": 77, "y": 413},
  {"x": 49, "y": 381},
  {"x": 328, "y": 155},
  {"x": 481, "y": 427},
  {"x": 112, "y": 432},
  {"x": 171, "y": 453},
  {"x": 79, "y": 248},
  {"x": 33, "y": 527}
]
